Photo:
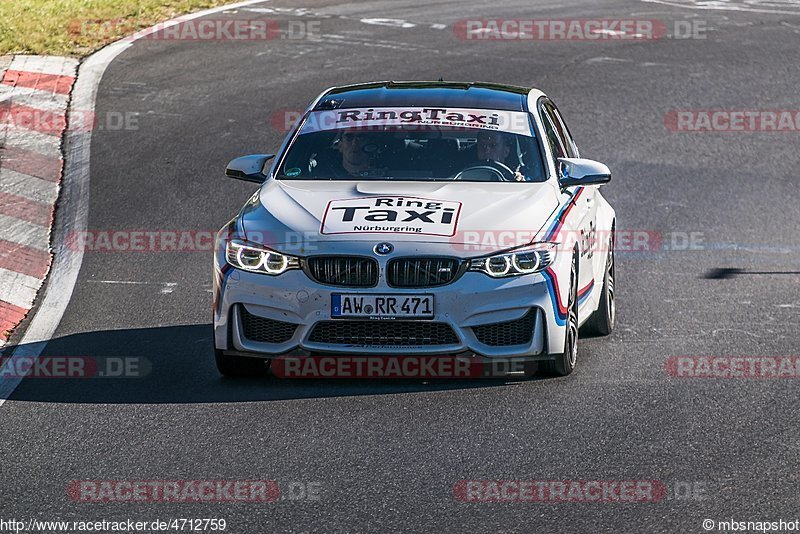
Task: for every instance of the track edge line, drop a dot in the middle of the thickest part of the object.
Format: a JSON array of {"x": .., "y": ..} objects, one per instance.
[{"x": 72, "y": 206}]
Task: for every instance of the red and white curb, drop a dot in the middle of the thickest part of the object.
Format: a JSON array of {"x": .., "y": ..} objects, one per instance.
[
  {"x": 73, "y": 203},
  {"x": 34, "y": 93}
]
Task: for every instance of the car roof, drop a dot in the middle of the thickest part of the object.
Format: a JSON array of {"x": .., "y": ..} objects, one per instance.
[{"x": 476, "y": 95}]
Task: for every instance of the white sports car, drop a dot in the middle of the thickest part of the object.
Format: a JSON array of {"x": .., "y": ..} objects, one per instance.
[{"x": 428, "y": 218}]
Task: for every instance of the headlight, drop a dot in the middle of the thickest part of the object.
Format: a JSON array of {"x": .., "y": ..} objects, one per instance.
[
  {"x": 257, "y": 259},
  {"x": 526, "y": 260}
]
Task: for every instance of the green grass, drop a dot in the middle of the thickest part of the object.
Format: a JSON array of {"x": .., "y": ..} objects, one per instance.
[{"x": 79, "y": 27}]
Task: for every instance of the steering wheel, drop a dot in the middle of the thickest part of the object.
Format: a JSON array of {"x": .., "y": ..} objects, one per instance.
[{"x": 499, "y": 172}]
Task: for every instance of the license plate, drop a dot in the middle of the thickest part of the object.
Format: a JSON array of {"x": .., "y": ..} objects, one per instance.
[{"x": 382, "y": 306}]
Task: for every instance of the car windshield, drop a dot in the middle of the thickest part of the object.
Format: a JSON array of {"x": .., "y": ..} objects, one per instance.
[{"x": 417, "y": 144}]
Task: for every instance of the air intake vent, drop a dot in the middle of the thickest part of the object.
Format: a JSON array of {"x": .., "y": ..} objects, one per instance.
[
  {"x": 422, "y": 272},
  {"x": 517, "y": 332},
  {"x": 264, "y": 330},
  {"x": 343, "y": 271},
  {"x": 383, "y": 333}
]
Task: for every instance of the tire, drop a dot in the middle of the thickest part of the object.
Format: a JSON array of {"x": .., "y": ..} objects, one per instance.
[
  {"x": 239, "y": 366},
  {"x": 564, "y": 363},
  {"x": 601, "y": 323}
]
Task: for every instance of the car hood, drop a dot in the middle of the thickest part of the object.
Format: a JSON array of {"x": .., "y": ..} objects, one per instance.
[{"x": 325, "y": 215}]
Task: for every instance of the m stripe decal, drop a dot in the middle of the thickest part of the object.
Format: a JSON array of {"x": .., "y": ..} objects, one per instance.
[{"x": 556, "y": 225}]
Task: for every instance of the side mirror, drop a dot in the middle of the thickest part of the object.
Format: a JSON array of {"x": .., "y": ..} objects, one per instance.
[
  {"x": 248, "y": 168},
  {"x": 579, "y": 171}
]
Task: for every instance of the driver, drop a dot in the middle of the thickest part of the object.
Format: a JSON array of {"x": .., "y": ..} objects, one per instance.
[
  {"x": 355, "y": 160},
  {"x": 493, "y": 146}
]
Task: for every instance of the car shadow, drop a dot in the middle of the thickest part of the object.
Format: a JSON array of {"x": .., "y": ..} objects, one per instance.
[{"x": 175, "y": 364}]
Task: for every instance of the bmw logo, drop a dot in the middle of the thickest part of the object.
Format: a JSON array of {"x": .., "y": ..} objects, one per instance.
[{"x": 383, "y": 249}]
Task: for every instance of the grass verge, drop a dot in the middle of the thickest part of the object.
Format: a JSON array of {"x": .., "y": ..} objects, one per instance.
[{"x": 79, "y": 27}]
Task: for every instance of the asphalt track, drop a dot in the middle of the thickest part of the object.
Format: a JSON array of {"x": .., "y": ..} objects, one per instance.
[{"x": 387, "y": 454}]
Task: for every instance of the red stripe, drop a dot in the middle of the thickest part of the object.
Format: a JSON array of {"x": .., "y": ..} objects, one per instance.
[
  {"x": 24, "y": 260},
  {"x": 583, "y": 291},
  {"x": 31, "y": 163},
  {"x": 28, "y": 210},
  {"x": 571, "y": 204},
  {"x": 17, "y": 116},
  {"x": 10, "y": 316},
  {"x": 562, "y": 308},
  {"x": 52, "y": 83}
]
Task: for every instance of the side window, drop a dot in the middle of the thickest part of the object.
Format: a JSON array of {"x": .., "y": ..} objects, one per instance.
[
  {"x": 562, "y": 130},
  {"x": 553, "y": 141}
]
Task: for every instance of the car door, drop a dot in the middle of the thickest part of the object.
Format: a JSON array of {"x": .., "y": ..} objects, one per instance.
[{"x": 582, "y": 218}]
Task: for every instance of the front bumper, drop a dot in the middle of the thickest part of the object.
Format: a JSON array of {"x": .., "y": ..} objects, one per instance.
[{"x": 471, "y": 301}]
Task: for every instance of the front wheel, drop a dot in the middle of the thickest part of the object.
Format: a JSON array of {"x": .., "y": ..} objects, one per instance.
[
  {"x": 239, "y": 366},
  {"x": 564, "y": 363}
]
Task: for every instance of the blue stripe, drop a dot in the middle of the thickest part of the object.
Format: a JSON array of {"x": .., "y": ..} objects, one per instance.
[
  {"x": 588, "y": 292},
  {"x": 561, "y": 320}
]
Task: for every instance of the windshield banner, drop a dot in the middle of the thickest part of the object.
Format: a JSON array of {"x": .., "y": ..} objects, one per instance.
[{"x": 514, "y": 122}]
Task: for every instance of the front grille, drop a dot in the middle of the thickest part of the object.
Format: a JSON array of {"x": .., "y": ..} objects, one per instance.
[
  {"x": 517, "y": 332},
  {"x": 345, "y": 271},
  {"x": 422, "y": 272},
  {"x": 383, "y": 333},
  {"x": 265, "y": 330}
]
